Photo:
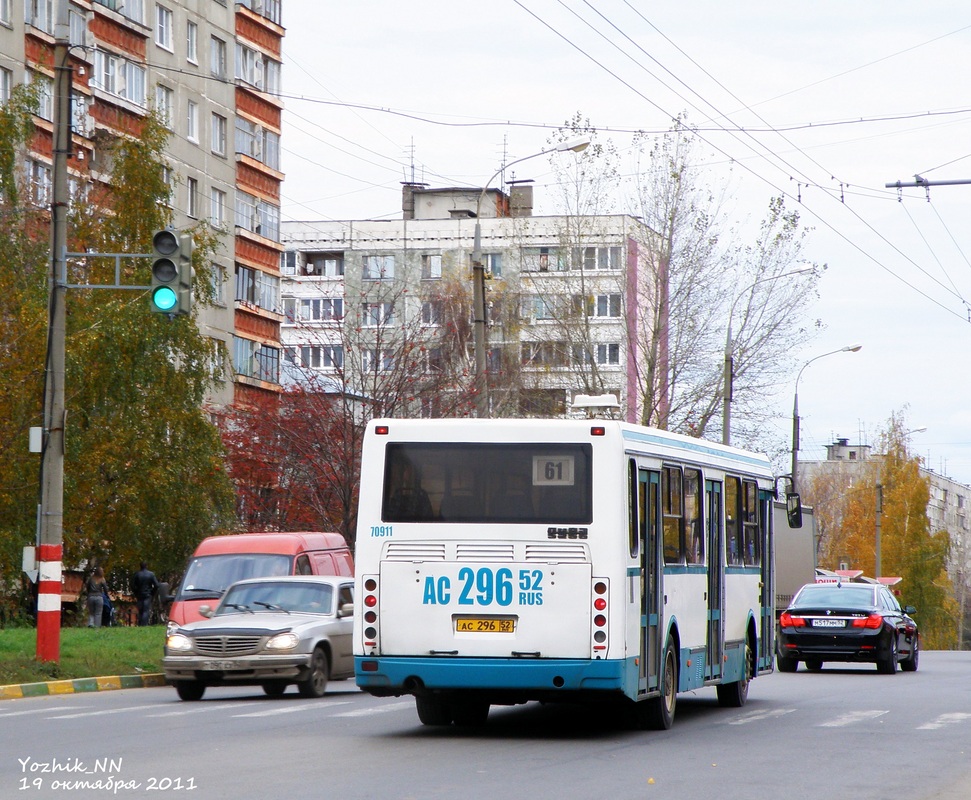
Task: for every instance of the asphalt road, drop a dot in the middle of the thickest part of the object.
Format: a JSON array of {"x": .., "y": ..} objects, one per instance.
[{"x": 844, "y": 732}]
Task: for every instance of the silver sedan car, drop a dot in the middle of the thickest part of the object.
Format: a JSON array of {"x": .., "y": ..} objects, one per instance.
[{"x": 269, "y": 632}]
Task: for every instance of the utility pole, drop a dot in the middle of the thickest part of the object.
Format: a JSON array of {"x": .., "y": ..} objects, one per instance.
[{"x": 50, "y": 527}]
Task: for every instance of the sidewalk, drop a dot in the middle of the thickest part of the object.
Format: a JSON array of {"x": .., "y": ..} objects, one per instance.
[{"x": 76, "y": 685}]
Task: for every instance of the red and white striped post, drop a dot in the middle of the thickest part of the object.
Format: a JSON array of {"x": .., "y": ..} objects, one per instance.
[{"x": 49, "y": 602}]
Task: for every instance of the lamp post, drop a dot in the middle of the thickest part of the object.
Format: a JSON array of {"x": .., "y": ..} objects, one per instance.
[
  {"x": 850, "y": 348},
  {"x": 478, "y": 278},
  {"x": 729, "y": 369}
]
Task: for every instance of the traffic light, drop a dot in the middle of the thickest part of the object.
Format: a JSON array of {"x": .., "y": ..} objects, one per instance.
[{"x": 171, "y": 291}]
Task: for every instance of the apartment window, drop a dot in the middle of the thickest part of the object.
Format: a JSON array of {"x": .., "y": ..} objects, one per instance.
[
  {"x": 376, "y": 314},
  {"x": 378, "y": 268},
  {"x": 217, "y": 57},
  {"x": 266, "y": 8},
  {"x": 327, "y": 357},
  {"x": 542, "y": 259},
  {"x": 132, "y": 9},
  {"x": 257, "y": 288},
  {"x": 493, "y": 264},
  {"x": 256, "y": 69},
  {"x": 257, "y": 142},
  {"x": 377, "y": 361},
  {"x": 119, "y": 77},
  {"x": 45, "y": 89},
  {"x": 192, "y": 42},
  {"x": 6, "y": 84},
  {"x": 76, "y": 23},
  {"x": 163, "y": 27},
  {"x": 327, "y": 265},
  {"x": 608, "y": 354},
  {"x": 255, "y": 360},
  {"x": 218, "y": 134},
  {"x": 257, "y": 215},
  {"x": 164, "y": 97},
  {"x": 217, "y": 207},
  {"x": 192, "y": 122},
  {"x": 5, "y": 12},
  {"x": 192, "y": 198},
  {"x": 313, "y": 309},
  {"x": 538, "y": 307},
  {"x": 431, "y": 267},
  {"x": 431, "y": 312},
  {"x": 604, "y": 305},
  {"x": 218, "y": 273},
  {"x": 597, "y": 258},
  {"x": 40, "y": 14},
  {"x": 39, "y": 179}
]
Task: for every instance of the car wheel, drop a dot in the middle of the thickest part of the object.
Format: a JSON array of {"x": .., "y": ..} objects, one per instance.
[
  {"x": 434, "y": 709},
  {"x": 815, "y": 664},
  {"x": 658, "y": 712},
  {"x": 734, "y": 694},
  {"x": 469, "y": 712},
  {"x": 316, "y": 683},
  {"x": 274, "y": 688},
  {"x": 786, "y": 664},
  {"x": 910, "y": 664},
  {"x": 888, "y": 664},
  {"x": 190, "y": 690}
]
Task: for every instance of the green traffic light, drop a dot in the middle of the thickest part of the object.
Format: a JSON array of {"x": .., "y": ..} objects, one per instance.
[{"x": 164, "y": 298}]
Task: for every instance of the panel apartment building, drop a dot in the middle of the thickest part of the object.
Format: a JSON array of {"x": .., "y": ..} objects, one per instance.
[
  {"x": 565, "y": 300},
  {"x": 212, "y": 69}
]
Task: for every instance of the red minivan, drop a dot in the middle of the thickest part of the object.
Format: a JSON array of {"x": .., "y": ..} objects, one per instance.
[{"x": 221, "y": 560}]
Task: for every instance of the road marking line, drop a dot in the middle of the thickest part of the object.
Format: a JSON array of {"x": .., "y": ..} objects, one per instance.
[
  {"x": 138, "y": 709},
  {"x": 289, "y": 709},
  {"x": 852, "y": 718},
  {"x": 39, "y": 711},
  {"x": 379, "y": 709},
  {"x": 945, "y": 719},
  {"x": 200, "y": 709},
  {"x": 757, "y": 716}
]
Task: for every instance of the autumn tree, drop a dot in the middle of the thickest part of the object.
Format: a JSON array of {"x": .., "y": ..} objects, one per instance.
[
  {"x": 910, "y": 550},
  {"x": 144, "y": 473}
]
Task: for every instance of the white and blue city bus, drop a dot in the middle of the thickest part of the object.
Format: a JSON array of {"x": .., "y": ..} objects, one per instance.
[{"x": 501, "y": 561}]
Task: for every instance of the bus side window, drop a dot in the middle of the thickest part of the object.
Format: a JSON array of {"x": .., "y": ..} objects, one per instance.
[
  {"x": 673, "y": 509},
  {"x": 751, "y": 552},
  {"x": 733, "y": 526},
  {"x": 693, "y": 528}
]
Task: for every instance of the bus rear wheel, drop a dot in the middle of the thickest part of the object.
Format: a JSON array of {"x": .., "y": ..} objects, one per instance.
[
  {"x": 434, "y": 709},
  {"x": 658, "y": 713}
]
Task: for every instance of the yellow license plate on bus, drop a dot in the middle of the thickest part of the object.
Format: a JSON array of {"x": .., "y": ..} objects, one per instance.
[{"x": 484, "y": 625}]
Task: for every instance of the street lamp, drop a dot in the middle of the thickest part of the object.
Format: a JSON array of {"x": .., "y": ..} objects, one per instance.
[
  {"x": 729, "y": 369},
  {"x": 478, "y": 278},
  {"x": 850, "y": 348}
]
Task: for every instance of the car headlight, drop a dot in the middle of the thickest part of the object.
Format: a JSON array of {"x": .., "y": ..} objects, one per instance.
[
  {"x": 282, "y": 641},
  {"x": 178, "y": 643}
]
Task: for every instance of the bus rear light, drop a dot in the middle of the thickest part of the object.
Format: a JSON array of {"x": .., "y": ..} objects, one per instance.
[
  {"x": 370, "y": 600},
  {"x": 600, "y": 604},
  {"x": 600, "y": 587},
  {"x": 370, "y": 584},
  {"x": 600, "y": 620},
  {"x": 381, "y": 430},
  {"x": 371, "y": 633},
  {"x": 599, "y": 637},
  {"x": 370, "y": 617},
  {"x": 369, "y": 666},
  {"x": 598, "y": 430}
]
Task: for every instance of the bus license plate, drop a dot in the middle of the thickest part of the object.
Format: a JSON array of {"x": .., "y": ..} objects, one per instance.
[
  {"x": 483, "y": 625},
  {"x": 829, "y": 623}
]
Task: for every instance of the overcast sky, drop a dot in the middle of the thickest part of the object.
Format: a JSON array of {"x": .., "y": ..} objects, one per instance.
[{"x": 822, "y": 102}]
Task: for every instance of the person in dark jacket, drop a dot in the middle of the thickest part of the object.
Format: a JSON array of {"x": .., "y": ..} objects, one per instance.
[{"x": 144, "y": 585}]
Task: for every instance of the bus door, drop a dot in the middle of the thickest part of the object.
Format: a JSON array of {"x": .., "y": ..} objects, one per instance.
[
  {"x": 767, "y": 582},
  {"x": 649, "y": 503},
  {"x": 716, "y": 579}
]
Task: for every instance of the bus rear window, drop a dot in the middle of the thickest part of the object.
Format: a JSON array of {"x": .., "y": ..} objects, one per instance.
[{"x": 496, "y": 483}]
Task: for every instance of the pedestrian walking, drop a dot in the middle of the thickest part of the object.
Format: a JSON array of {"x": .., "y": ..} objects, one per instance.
[
  {"x": 95, "y": 587},
  {"x": 144, "y": 586}
]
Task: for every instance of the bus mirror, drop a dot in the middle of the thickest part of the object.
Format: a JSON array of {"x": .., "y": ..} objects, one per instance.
[{"x": 794, "y": 510}]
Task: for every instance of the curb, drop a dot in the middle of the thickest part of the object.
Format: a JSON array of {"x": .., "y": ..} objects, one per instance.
[{"x": 76, "y": 685}]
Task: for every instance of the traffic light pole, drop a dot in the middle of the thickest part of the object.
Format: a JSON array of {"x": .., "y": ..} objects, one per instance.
[{"x": 50, "y": 525}]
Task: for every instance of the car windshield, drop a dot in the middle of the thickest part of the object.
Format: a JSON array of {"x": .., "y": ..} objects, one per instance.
[
  {"x": 835, "y": 595},
  {"x": 210, "y": 575},
  {"x": 285, "y": 596}
]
